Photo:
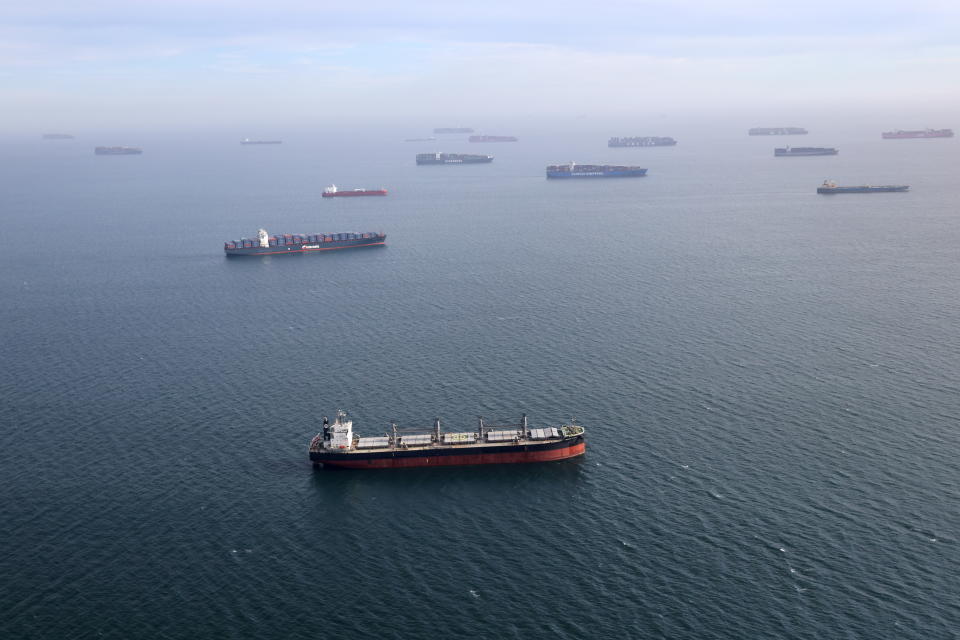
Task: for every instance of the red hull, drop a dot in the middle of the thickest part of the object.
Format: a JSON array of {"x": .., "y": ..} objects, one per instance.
[
  {"x": 462, "y": 460},
  {"x": 349, "y": 194}
]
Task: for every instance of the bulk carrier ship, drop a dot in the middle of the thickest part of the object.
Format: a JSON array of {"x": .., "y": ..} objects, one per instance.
[
  {"x": 266, "y": 245},
  {"x": 337, "y": 446}
]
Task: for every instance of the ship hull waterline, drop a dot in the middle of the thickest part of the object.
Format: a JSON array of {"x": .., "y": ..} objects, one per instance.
[{"x": 400, "y": 459}]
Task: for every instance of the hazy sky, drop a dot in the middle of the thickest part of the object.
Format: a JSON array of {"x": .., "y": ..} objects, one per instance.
[{"x": 132, "y": 63}]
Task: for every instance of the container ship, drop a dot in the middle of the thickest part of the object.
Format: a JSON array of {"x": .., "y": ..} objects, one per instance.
[
  {"x": 57, "y": 136},
  {"x": 333, "y": 192},
  {"x": 419, "y": 139},
  {"x": 829, "y": 186},
  {"x": 265, "y": 244},
  {"x": 926, "y": 133},
  {"x": 337, "y": 446},
  {"x": 492, "y": 139},
  {"x": 573, "y": 170},
  {"x": 452, "y": 158},
  {"x": 453, "y": 130},
  {"x": 777, "y": 131},
  {"x": 249, "y": 141},
  {"x": 804, "y": 151},
  {"x": 117, "y": 151},
  {"x": 642, "y": 141}
]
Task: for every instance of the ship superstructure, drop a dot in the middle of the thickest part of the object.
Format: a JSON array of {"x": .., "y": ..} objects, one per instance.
[{"x": 337, "y": 446}]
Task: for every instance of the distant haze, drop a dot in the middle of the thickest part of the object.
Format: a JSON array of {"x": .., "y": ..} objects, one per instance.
[{"x": 202, "y": 64}]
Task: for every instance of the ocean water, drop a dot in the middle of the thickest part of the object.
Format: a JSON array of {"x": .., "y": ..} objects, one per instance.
[{"x": 768, "y": 378}]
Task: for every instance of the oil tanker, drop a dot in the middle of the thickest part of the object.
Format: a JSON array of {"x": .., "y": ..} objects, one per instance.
[
  {"x": 265, "y": 245},
  {"x": 829, "y": 186},
  {"x": 574, "y": 170},
  {"x": 337, "y": 446},
  {"x": 452, "y": 158}
]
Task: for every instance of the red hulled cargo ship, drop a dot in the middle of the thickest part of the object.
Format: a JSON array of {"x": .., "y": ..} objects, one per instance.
[
  {"x": 337, "y": 446},
  {"x": 333, "y": 192}
]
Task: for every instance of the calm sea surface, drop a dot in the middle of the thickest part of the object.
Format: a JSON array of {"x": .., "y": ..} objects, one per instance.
[{"x": 769, "y": 380}]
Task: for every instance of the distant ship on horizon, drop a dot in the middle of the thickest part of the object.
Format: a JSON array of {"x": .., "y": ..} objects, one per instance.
[
  {"x": 574, "y": 170},
  {"x": 829, "y": 186},
  {"x": 117, "y": 151},
  {"x": 926, "y": 133},
  {"x": 57, "y": 136},
  {"x": 492, "y": 139},
  {"x": 249, "y": 141},
  {"x": 804, "y": 151},
  {"x": 642, "y": 141},
  {"x": 333, "y": 192},
  {"x": 453, "y": 130},
  {"x": 777, "y": 131},
  {"x": 452, "y": 158}
]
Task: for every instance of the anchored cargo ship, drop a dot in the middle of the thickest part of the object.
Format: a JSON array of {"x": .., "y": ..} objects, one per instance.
[
  {"x": 805, "y": 151},
  {"x": 333, "y": 192},
  {"x": 301, "y": 243},
  {"x": 830, "y": 186},
  {"x": 117, "y": 151},
  {"x": 492, "y": 139},
  {"x": 926, "y": 133},
  {"x": 453, "y": 130},
  {"x": 452, "y": 158},
  {"x": 777, "y": 131},
  {"x": 57, "y": 136},
  {"x": 419, "y": 139},
  {"x": 574, "y": 170},
  {"x": 645, "y": 141},
  {"x": 337, "y": 446},
  {"x": 249, "y": 141}
]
